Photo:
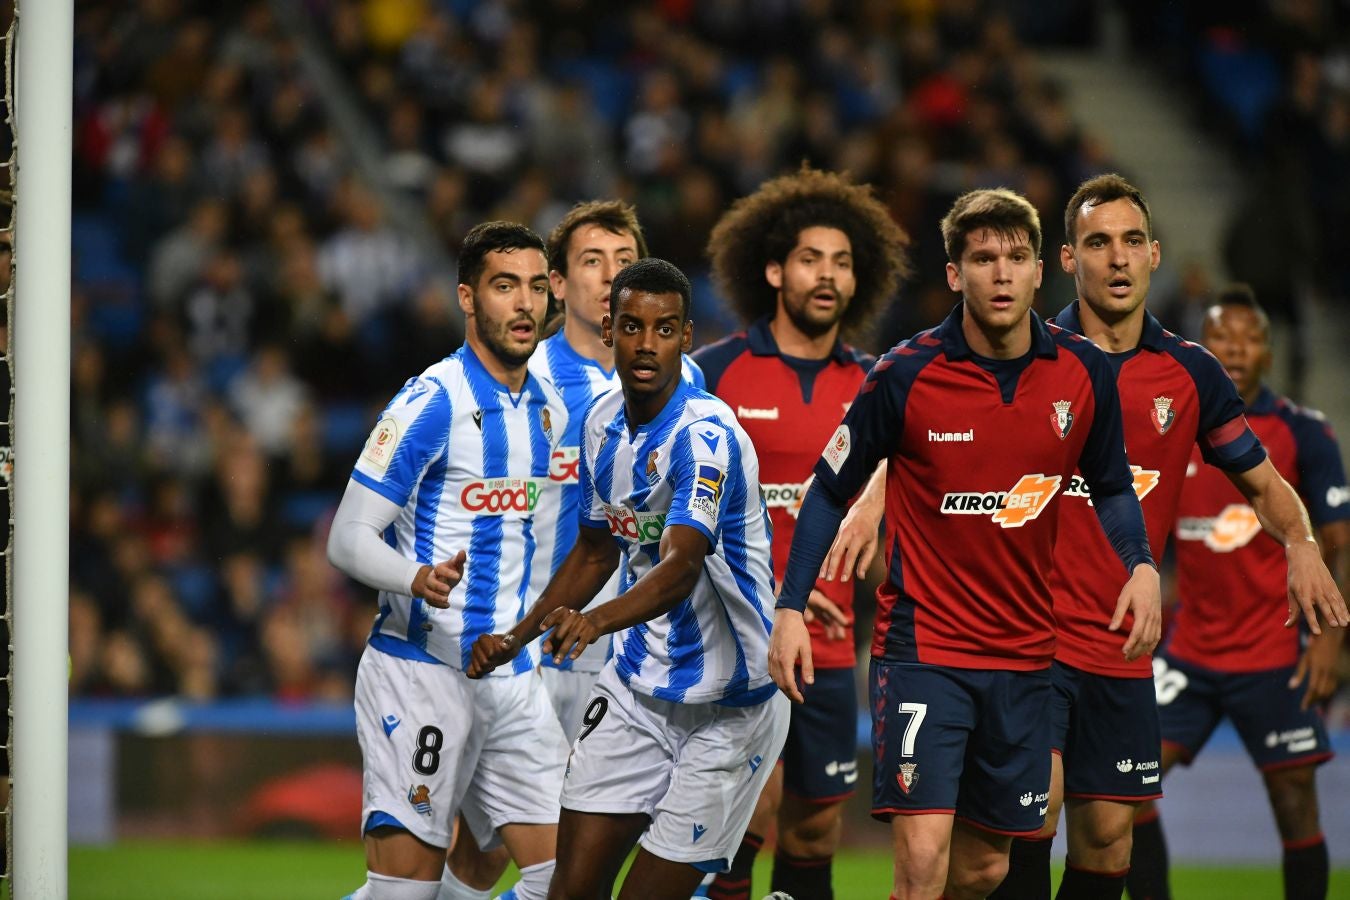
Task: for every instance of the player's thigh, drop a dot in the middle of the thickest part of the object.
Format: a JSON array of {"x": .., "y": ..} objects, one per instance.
[
  {"x": 1189, "y": 707},
  {"x": 417, "y": 726},
  {"x": 820, "y": 758},
  {"x": 1112, "y": 750},
  {"x": 518, "y": 778},
  {"x": 569, "y": 690},
  {"x": 724, "y": 758},
  {"x": 1265, "y": 712},
  {"x": 1005, "y": 787},
  {"x": 922, "y": 718}
]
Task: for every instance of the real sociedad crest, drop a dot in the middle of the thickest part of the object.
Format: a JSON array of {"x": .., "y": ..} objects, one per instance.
[
  {"x": 1163, "y": 414},
  {"x": 546, "y": 421},
  {"x": 1062, "y": 420},
  {"x": 652, "y": 472}
]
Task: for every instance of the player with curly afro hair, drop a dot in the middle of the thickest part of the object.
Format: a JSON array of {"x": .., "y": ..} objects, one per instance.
[
  {"x": 766, "y": 226},
  {"x": 804, "y": 258}
]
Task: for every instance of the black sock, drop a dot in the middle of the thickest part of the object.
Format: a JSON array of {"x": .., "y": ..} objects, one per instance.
[
  {"x": 1080, "y": 884},
  {"x": 1306, "y": 871},
  {"x": 804, "y": 879},
  {"x": 735, "y": 884},
  {"x": 1147, "y": 878},
  {"x": 1028, "y": 871}
]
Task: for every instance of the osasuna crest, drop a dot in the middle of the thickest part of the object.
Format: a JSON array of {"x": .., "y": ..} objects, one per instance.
[
  {"x": 908, "y": 777},
  {"x": 1062, "y": 420},
  {"x": 1163, "y": 414},
  {"x": 546, "y": 421}
]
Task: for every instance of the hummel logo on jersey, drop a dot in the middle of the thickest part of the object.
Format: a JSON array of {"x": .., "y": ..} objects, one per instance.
[
  {"x": 1011, "y": 508},
  {"x": 1062, "y": 420},
  {"x": 699, "y": 831},
  {"x": 390, "y": 723},
  {"x": 942, "y": 437},
  {"x": 1163, "y": 414},
  {"x": 1125, "y": 765},
  {"x": 710, "y": 438},
  {"x": 755, "y": 762},
  {"x": 743, "y": 412}
]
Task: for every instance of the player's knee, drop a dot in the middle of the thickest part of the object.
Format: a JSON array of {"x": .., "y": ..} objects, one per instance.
[
  {"x": 1293, "y": 799},
  {"x": 534, "y": 881},
  {"x": 386, "y": 887},
  {"x": 977, "y": 878},
  {"x": 1102, "y": 842}
]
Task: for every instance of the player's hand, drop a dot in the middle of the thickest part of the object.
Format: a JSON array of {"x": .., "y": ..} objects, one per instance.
[
  {"x": 789, "y": 645},
  {"x": 1141, "y": 595},
  {"x": 818, "y": 606},
  {"x": 1312, "y": 589},
  {"x": 1318, "y": 666},
  {"x": 856, "y": 543},
  {"x": 490, "y": 651},
  {"x": 434, "y": 583},
  {"x": 572, "y": 633}
]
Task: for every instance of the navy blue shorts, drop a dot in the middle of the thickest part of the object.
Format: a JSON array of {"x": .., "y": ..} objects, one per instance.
[
  {"x": 970, "y": 742},
  {"x": 1106, "y": 732},
  {"x": 820, "y": 758},
  {"x": 1192, "y": 700}
]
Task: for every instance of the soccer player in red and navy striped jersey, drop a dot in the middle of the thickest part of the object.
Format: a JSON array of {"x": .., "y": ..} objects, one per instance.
[
  {"x": 1174, "y": 395},
  {"x": 806, "y": 256},
  {"x": 983, "y": 421},
  {"x": 1222, "y": 656}
]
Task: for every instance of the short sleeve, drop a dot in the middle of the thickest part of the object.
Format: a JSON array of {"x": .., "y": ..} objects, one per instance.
[{"x": 413, "y": 430}]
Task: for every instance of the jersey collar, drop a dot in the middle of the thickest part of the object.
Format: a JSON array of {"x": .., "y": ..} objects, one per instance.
[
  {"x": 476, "y": 367},
  {"x": 761, "y": 342},
  {"x": 673, "y": 408},
  {"x": 1265, "y": 402},
  {"x": 1150, "y": 339},
  {"x": 954, "y": 343},
  {"x": 567, "y": 350}
]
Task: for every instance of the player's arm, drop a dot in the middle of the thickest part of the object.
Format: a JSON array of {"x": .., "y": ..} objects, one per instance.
[
  {"x": 576, "y": 582},
  {"x": 1283, "y": 516},
  {"x": 665, "y": 586},
  {"x": 856, "y": 543},
  {"x": 357, "y": 547},
  {"x": 1107, "y": 472}
]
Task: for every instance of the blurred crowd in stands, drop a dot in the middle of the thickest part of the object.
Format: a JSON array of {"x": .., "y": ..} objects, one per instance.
[{"x": 244, "y": 303}]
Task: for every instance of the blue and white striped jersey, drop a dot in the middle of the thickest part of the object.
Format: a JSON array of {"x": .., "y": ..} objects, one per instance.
[
  {"x": 580, "y": 380},
  {"x": 471, "y": 465},
  {"x": 691, "y": 465}
]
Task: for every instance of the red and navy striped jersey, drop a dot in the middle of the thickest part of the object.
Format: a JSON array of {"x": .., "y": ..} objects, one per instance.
[
  {"x": 789, "y": 407},
  {"x": 979, "y": 449},
  {"x": 1174, "y": 395},
  {"x": 1231, "y": 574}
]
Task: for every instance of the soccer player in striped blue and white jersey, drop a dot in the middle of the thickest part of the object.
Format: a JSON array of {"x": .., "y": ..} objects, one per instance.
[
  {"x": 684, "y": 724},
  {"x": 592, "y": 243},
  {"x": 450, "y": 513}
]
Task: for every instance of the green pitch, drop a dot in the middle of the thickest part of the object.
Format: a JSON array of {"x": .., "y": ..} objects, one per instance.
[{"x": 317, "y": 871}]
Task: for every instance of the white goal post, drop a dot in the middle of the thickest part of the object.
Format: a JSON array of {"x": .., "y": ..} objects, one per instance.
[{"x": 41, "y": 91}]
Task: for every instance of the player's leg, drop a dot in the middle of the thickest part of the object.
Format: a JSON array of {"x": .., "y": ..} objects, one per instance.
[
  {"x": 416, "y": 723},
  {"x": 721, "y": 758},
  {"x": 592, "y": 848},
  {"x": 513, "y": 799},
  {"x": 1189, "y": 710},
  {"x": 1005, "y": 784},
  {"x": 1112, "y": 763},
  {"x": 1028, "y": 875},
  {"x": 820, "y": 767},
  {"x": 1287, "y": 744},
  {"x": 735, "y": 883},
  {"x": 922, "y": 719},
  {"x": 471, "y": 873}
]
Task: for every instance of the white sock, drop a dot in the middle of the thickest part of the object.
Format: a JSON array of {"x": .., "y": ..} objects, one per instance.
[
  {"x": 533, "y": 883},
  {"x": 385, "y": 887},
  {"x": 454, "y": 889}
]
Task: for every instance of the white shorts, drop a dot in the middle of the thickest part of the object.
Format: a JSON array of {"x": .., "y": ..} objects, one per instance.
[
  {"x": 696, "y": 769},
  {"x": 569, "y": 690},
  {"x": 434, "y": 743}
]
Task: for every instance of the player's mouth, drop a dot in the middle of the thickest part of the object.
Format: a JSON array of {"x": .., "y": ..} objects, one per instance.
[
  {"x": 644, "y": 370},
  {"x": 1237, "y": 373},
  {"x": 1120, "y": 286},
  {"x": 522, "y": 329},
  {"x": 1001, "y": 302},
  {"x": 825, "y": 297}
]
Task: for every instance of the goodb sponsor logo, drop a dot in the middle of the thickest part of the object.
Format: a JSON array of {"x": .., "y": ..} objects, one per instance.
[{"x": 501, "y": 496}]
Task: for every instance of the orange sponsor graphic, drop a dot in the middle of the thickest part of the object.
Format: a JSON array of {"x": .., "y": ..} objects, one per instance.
[{"x": 1026, "y": 500}]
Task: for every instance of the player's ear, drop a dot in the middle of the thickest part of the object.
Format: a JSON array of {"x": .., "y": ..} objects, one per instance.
[
  {"x": 558, "y": 285},
  {"x": 954, "y": 277},
  {"x": 1067, "y": 262},
  {"x": 687, "y": 343},
  {"x": 773, "y": 274},
  {"x": 465, "y": 294},
  {"x": 606, "y": 331}
]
